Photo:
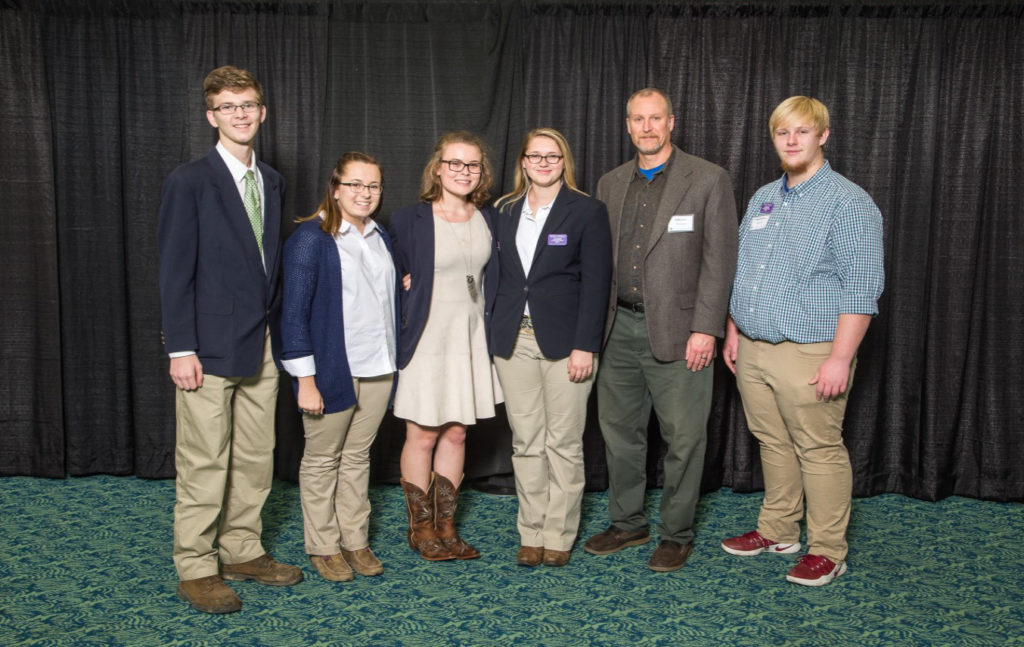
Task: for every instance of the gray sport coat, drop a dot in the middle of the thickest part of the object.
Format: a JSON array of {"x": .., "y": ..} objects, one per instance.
[{"x": 687, "y": 274}]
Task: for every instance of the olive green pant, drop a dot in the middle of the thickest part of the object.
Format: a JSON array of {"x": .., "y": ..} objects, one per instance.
[{"x": 631, "y": 381}]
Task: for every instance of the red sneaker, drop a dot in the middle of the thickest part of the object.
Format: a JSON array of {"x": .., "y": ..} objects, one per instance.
[
  {"x": 815, "y": 570},
  {"x": 753, "y": 543}
]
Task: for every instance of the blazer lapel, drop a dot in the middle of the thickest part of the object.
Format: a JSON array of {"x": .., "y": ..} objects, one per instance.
[
  {"x": 509, "y": 226},
  {"x": 559, "y": 212},
  {"x": 677, "y": 184},
  {"x": 617, "y": 202},
  {"x": 238, "y": 219},
  {"x": 271, "y": 224}
]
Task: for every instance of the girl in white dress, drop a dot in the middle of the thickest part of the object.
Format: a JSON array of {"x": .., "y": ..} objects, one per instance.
[{"x": 442, "y": 248}]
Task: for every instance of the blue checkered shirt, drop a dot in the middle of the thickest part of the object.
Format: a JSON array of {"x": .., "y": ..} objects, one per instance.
[{"x": 806, "y": 255}]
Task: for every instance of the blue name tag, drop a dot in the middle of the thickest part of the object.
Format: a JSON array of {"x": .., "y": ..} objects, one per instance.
[{"x": 558, "y": 239}]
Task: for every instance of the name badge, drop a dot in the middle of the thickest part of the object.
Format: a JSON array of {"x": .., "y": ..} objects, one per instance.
[
  {"x": 680, "y": 223},
  {"x": 759, "y": 222},
  {"x": 560, "y": 240}
]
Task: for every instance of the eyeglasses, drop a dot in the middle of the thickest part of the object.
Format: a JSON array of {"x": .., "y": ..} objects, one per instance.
[
  {"x": 248, "y": 107},
  {"x": 550, "y": 158},
  {"x": 456, "y": 166},
  {"x": 357, "y": 187}
]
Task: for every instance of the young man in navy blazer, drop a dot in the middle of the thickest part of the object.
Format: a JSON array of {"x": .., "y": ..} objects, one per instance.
[{"x": 220, "y": 244}]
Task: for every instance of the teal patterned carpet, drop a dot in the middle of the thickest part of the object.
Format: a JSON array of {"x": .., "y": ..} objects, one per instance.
[{"x": 86, "y": 561}]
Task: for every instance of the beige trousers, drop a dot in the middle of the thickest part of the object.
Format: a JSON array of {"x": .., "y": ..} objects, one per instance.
[
  {"x": 801, "y": 439},
  {"x": 334, "y": 474},
  {"x": 547, "y": 413},
  {"x": 224, "y": 457}
]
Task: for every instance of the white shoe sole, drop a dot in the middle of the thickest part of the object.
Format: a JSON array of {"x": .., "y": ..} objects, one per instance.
[
  {"x": 778, "y": 549},
  {"x": 821, "y": 581}
]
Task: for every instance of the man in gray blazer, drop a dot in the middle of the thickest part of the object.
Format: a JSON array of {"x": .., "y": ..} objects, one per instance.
[{"x": 674, "y": 227}]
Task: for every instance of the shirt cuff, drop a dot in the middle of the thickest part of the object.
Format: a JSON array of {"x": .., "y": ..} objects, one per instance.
[
  {"x": 181, "y": 353},
  {"x": 300, "y": 366},
  {"x": 858, "y": 304}
]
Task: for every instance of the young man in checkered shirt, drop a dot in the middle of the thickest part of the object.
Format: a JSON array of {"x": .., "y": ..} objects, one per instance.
[{"x": 808, "y": 279}]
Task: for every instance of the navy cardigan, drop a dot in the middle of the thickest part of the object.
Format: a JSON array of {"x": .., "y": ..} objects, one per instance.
[
  {"x": 412, "y": 230},
  {"x": 312, "y": 317}
]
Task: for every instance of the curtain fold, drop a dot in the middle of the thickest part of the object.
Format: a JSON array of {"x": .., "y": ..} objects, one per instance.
[
  {"x": 32, "y": 436},
  {"x": 101, "y": 99}
]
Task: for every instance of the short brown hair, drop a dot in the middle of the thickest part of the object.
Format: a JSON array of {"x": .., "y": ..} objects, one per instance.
[
  {"x": 231, "y": 78},
  {"x": 646, "y": 92},
  {"x": 430, "y": 184}
]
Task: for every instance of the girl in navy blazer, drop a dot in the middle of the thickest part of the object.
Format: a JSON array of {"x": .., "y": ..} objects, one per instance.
[
  {"x": 443, "y": 248},
  {"x": 546, "y": 326},
  {"x": 339, "y": 330}
]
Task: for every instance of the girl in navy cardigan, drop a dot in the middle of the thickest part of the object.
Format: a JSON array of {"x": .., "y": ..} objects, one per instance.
[{"x": 339, "y": 331}]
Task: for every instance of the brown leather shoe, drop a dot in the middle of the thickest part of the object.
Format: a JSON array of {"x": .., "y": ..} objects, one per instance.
[
  {"x": 262, "y": 570},
  {"x": 555, "y": 557},
  {"x": 529, "y": 555},
  {"x": 332, "y": 567},
  {"x": 669, "y": 556},
  {"x": 209, "y": 594},
  {"x": 363, "y": 561},
  {"x": 612, "y": 540}
]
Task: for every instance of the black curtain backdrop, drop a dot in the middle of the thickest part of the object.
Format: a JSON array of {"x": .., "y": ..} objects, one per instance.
[{"x": 100, "y": 100}]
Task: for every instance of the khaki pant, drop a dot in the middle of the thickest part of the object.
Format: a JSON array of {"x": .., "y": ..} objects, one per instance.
[
  {"x": 224, "y": 456},
  {"x": 334, "y": 474},
  {"x": 801, "y": 439},
  {"x": 547, "y": 413}
]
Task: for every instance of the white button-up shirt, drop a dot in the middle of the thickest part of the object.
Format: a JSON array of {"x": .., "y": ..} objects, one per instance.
[
  {"x": 528, "y": 235},
  {"x": 368, "y": 303}
]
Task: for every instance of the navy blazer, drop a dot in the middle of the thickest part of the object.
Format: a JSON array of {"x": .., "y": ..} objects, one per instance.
[
  {"x": 217, "y": 299},
  {"x": 312, "y": 313},
  {"x": 568, "y": 284},
  {"x": 412, "y": 237}
]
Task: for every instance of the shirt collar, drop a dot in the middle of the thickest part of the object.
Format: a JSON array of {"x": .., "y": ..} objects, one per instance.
[
  {"x": 347, "y": 227},
  {"x": 664, "y": 167},
  {"x": 542, "y": 210},
  {"x": 235, "y": 167},
  {"x": 808, "y": 184}
]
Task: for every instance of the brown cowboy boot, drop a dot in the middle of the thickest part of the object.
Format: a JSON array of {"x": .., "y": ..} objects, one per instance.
[
  {"x": 422, "y": 538},
  {"x": 446, "y": 497}
]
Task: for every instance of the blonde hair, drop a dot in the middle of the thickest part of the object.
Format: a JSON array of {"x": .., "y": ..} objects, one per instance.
[
  {"x": 522, "y": 180},
  {"x": 329, "y": 206},
  {"x": 430, "y": 184},
  {"x": 799, "y": 106}
]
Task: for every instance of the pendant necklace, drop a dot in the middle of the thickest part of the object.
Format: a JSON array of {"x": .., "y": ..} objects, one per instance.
[{"x": 470, "y": 279}]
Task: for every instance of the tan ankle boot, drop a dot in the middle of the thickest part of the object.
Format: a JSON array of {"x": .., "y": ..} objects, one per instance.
[
  {"x": 422, "y": 537},
  {"x": 446, "y": 498}
]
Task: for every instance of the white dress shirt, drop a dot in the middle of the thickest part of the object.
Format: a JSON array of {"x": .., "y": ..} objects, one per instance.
[
  {"x": 368, "y": 304},
  {"x": 528, "y": 235}
]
